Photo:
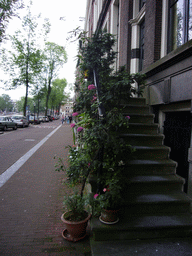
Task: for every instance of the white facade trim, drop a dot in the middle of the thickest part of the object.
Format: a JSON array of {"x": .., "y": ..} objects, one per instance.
[
  {"x": 164, "y": 28},
  {"x": 135, "y": 23}
]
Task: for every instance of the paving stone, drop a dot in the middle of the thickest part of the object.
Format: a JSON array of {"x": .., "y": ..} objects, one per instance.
[{"x": 31, "y": 204}]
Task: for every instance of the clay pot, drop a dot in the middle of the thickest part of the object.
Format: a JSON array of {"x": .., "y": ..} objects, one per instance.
[
  {"x": 75, "y": 230},
  {"x": 109, "y": 216}
]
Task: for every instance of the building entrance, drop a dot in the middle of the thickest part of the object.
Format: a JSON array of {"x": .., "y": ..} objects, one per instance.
[{"x": 177, "y": 131}]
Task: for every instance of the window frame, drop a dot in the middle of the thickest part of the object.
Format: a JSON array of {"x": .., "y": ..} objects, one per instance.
[{"x": 185, "y": 21}]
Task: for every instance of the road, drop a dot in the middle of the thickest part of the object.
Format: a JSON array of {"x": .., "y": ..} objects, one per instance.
[
  {"x": 31, "y": 200},
  {"x": 14, "y": 144}
]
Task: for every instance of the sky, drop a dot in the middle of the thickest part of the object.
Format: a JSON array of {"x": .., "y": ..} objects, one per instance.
[{"x": 72, "y": 12}]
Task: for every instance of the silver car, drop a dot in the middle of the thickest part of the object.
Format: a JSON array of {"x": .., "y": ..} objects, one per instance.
[{"x": 20, "y": 120}]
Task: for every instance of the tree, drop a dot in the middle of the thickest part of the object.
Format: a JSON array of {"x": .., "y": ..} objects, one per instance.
[
  {"x": 55, "y": 56},
  {"x": 57, "y": 93},
  {"x": 39, "y": 93},
  {"x": 6, "y": 103},
  {"x": 8, "y": 9},
  {"x": 24, "y": 61},
  {"x": 20, "y": 103}
]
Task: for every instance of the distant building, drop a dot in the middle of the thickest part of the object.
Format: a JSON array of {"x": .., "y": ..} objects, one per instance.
[{"x": 66, "y": 109}]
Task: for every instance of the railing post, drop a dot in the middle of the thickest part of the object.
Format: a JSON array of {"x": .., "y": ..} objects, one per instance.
[{"x": 101, "y": 111}]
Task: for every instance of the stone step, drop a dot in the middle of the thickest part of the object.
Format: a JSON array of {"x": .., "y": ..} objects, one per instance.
[
  {"x": 154, "y": 204},
  {"x": 151, "y": 167},
  {"x": 139, "y": 128},
  {"x": 150, "y": 153},
  {"x": 166, "y": 246},
  {"x": 135, "y": 101},
  {"x": 137, "y": 118},
  {"x": 150, "y": 184},
  {"x": 137, "y": 109},
  {"x": 161, "y": 203},
  {"x": 143, "y": 139},
  {"x": 144, "y": 227}
]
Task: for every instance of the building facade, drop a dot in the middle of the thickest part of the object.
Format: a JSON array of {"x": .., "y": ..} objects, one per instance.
[
  {"x": 66, "y": 109},
  {"x": 154, "y": 37}
]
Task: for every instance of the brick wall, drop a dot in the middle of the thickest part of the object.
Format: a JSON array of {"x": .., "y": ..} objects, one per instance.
[
  {"x": 125, "y": 33},
  {"x": 152, "y": 31}
]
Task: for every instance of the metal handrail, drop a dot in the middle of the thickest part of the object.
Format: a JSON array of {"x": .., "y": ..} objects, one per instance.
[{"x": 101, "y": 111}]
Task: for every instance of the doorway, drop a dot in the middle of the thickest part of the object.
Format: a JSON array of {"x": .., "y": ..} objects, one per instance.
[{"x": 177, "y": 131}]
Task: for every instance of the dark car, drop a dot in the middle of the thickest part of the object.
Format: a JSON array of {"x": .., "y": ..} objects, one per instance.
[
  {"x": 50, "y": 118},
  {"x": 6, "y": 122}
]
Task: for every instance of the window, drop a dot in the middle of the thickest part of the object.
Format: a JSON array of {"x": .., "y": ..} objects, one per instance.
[
  {"x": 141, "y": 3},
  {"x": 137, "y": 39},
  {"x": 141, "y": 47},
  {"x": 180, "y": 23}
]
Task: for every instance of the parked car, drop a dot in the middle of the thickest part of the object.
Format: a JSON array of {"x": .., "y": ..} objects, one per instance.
[
  {"x": 43, "y": 119},
  {"x": 20, "y": 120},
  {"x": 33, "y": 120},
  {"x": 46, "y": 118},
  {"x": 50, "y": 118},
  {"x": 6, "y": 122}
]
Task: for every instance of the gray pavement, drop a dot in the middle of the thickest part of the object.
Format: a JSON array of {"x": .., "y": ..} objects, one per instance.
[{"x": 31, "y": 204}]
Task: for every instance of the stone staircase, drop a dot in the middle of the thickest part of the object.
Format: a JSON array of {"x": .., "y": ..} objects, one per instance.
[{"x": 155, "y": 204}]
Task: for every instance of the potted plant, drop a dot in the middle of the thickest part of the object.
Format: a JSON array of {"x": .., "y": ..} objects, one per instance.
[
  {"x": 75, "y": 218},
  {"x": 76, "y": 214},
  {"x": 109, "y": 201}
]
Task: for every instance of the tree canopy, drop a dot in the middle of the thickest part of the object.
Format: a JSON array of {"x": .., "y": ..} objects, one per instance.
[
  {"x": 25, "y": 60},
  {"x": 55, "y": 56},
  {"x": 8, "y": 9},
  {"x": 58, "y": 95},
  {"x": 6, "y": 103}
]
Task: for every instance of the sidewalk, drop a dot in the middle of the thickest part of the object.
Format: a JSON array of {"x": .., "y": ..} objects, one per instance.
[{"x": 31, "y": 205}]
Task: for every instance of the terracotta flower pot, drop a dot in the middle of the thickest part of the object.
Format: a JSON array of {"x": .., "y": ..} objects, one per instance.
[
  {"x": 75, "y": 230},
  {"x": 109, "y": 216}
]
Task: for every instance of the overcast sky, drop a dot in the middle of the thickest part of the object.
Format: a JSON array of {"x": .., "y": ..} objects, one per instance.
[{"x": 72, "y": 12}]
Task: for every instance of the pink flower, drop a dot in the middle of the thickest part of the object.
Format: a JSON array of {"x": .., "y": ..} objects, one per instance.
[
  {"x": 79, "y": 129},
  {"x": 72, "y": 125},
  {"x": 75, "y": 114},
  {"x": 96, "y": 195},
  {"x": 91, "y": 87},
  {"x": 104, "y": 190},
  {"x": 94, "y": 98},
  {"x": 128, "y": 117},
  {"x": 89, "y": 164}
]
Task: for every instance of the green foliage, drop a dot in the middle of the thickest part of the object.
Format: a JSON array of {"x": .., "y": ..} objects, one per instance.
[
  {"x": 99, "y": 148},
  {"x": 76, "y": 204},
  {"x": 25, "y": 61},
  {"x": 54, "y": 58},
  {"x": 6, "y": 103},
  {"x": 59, "y": 166},
  {"x": 98, "y": 54},
  {"x": 110, "y": 197},
  {"x": 57, "y": 93},
  {"x": 20, "y": 103},
  {"x": 8, "y": 9}
]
